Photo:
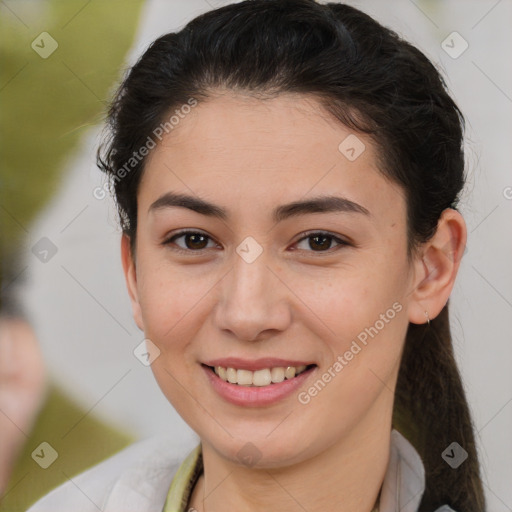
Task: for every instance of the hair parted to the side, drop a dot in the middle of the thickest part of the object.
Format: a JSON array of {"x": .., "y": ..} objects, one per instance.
[{"x": 372, "y": 81}]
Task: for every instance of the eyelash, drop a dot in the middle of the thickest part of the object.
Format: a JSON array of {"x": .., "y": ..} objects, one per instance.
[{"x": 305, "y": 236}]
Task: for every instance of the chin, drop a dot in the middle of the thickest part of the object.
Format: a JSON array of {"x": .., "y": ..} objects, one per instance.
[{"x": 254, "y": 450}]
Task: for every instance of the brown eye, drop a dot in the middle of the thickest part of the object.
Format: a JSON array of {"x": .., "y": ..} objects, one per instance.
[
  {"x": 320, "y": 241},
  {"x": 193, "y": 241}
]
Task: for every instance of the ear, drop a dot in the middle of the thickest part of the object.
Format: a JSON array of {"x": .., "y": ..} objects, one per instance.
[
  {"x": 437, "y": 265},
  {"x": 130, "y": 275}
]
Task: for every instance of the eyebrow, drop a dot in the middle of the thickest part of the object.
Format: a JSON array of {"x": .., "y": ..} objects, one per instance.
[{"x": 319, "y": 204}]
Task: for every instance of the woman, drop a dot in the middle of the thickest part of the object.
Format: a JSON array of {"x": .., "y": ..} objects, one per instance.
[{"x": 287, "y": 175}]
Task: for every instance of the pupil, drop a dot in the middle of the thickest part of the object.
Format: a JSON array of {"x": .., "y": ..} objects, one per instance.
[
  {"x": 194, "y": 240},
  {"x": 321, "y": 237}
]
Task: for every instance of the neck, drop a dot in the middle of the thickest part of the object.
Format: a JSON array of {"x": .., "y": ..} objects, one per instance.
[{"x": 346, "y": 477}]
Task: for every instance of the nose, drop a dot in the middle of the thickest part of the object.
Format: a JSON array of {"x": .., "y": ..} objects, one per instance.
[{"x": 253, "y": 304}]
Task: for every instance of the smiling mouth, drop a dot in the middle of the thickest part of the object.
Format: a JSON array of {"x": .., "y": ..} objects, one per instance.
[{"x": 259, "y": 378}]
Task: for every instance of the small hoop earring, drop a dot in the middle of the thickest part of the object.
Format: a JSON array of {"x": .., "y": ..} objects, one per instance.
[{"x": 428, "y": 318}]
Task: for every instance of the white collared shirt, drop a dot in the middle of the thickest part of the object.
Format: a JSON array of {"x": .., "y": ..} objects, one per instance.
[{"x": 138, "y": 478}]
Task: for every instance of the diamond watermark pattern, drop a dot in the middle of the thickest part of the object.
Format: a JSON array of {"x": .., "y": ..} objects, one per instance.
[
  {"x": 454, "y": 455},
  {"x": 454, "y": 45},
  {"x": 146, "y": 352},
  {"x": 352, "y": 147},
  {"x": 44, "y": 45},
  {"x": 249, "y": 249},
  {"x": 44, "y": 250},
  {"x": 45, "y": 455},
  {"x": 249, "y": 455}
]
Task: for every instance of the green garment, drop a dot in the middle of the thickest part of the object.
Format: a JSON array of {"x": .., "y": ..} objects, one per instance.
[
  {"x": 80, "y": 440},
  {"x": 184, "y": 481}
]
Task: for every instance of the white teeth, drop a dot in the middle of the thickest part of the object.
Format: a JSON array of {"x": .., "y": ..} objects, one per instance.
[
  {"x": 231, "y": 375},
  {"x": 221, "y": 372},
  {"x": 261, "y": 377},
  {"x": 244, "y": 377},
  {"x": 277, "y": 374},
  {"x": 289, "y": 373},
  {"x": 258, "y": 378}
]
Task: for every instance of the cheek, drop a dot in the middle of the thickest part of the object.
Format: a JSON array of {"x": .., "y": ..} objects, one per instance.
[
  {"x": 362, "y": 365},
  {"x": 360, "y": 314},
  {"x": 172, "y": 300},
  {"x": 346, "y": 301}
]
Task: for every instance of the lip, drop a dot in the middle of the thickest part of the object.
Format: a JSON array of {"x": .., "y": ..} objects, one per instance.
[
  {"x": 255, "y": 364},
  {"x": 246, "y": 396}
]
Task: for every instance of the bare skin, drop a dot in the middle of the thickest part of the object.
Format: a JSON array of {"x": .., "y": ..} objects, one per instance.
[
  {"x": 22, "y": 389},
  {"x": 294, "y": 301}
]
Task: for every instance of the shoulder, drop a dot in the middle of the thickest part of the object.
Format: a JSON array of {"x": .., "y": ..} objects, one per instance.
[{"x": 137, "y": 478}]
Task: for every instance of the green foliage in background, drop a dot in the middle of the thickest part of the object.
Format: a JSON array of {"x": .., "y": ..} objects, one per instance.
[
  {"x": 47, "y": 103},
  {"x": 46, "y": 106}
]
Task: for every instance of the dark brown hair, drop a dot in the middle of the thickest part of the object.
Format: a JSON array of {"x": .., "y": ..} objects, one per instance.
[{"x": 372, "y": 81}]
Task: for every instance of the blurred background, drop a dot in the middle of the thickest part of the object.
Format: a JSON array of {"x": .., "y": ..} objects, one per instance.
[{"x": 60, "y": 260}]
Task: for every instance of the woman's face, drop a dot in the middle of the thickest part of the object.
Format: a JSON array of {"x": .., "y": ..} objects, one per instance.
[{"x": 267, "y": 284}]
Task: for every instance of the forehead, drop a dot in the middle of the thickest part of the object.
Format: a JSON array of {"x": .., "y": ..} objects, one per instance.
[
  {"x": 265, "y": 132},
  {"x": 239, "y": 150}
]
